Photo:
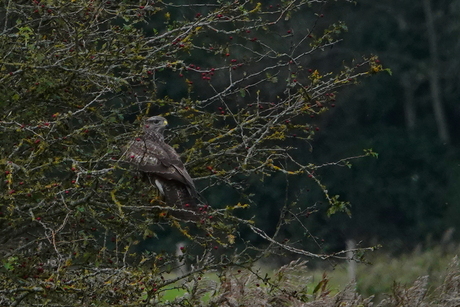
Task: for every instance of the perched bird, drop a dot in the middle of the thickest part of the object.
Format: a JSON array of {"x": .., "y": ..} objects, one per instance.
[{"x": 162, "y": 166}]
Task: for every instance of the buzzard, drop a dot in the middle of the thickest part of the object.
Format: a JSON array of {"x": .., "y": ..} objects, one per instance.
[{"x": 162, "y": 166}]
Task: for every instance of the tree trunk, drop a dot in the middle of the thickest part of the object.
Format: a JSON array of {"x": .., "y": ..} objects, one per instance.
[
  {"x": 409, "y": 105},
  {"x": 435, "y": 87},
  {"x": 351, "y": 245}
]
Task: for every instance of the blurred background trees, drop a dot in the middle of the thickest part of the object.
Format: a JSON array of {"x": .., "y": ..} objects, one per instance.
[
  {"x": 258, "y": 98},
  {"x": 410, "y": 118}
]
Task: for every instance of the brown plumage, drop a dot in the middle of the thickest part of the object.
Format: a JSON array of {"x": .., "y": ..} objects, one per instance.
[{"x": 162, "y": 166}]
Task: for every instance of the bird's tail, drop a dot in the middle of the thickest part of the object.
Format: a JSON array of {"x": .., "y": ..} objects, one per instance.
[{"x": 186, "y": 206}]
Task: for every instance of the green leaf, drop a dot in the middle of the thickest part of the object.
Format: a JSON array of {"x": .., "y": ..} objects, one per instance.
[{"x": 318, "y": 286}]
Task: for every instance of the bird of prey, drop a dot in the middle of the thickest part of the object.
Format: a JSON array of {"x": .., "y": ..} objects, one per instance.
[{"x": 162, "y": 166}]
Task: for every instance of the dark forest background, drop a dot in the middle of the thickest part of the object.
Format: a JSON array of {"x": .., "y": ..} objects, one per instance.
[
  {"x": 298, "y": 154},
  {"x": 410, "y": 194}
]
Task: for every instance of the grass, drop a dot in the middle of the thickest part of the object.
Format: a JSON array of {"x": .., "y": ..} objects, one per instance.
[
  {"x": 385, "y": 270},
  {"x": 393, "y": 280}
]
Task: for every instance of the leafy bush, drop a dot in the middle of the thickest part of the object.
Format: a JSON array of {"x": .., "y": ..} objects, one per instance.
[{"x": 78, "y": 225}]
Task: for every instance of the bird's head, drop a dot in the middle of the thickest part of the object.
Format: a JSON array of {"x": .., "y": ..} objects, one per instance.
[{"x": 155, "y": 123}]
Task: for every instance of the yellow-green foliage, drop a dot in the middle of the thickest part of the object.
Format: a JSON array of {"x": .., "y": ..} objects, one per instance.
[{"x": 77, "y": 224}]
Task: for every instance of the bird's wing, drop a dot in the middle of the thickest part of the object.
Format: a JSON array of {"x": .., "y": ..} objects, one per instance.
[
  {"x": 175, "y": 161},
  {"x": 159, "y": 159}
]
